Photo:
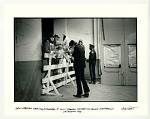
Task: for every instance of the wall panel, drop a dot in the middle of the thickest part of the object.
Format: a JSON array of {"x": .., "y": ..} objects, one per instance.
[{"x": 28, "y": 39}]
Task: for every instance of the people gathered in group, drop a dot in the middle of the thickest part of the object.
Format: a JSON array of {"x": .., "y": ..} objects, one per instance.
[{"x": 76, "y": 53}]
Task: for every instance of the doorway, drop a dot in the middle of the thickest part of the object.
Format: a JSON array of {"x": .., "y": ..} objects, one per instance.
[
  {"x": 118, "y": 52},
  {"x": 47, "y": 27}
]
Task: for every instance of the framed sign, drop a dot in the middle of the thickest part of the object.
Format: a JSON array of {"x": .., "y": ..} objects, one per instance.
[
  {"x": 132, "y": 56},
  {"x": 112, "y": 55}
]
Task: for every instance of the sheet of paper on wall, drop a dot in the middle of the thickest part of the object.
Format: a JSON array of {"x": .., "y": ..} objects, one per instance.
[
  {"x": 132, "y": 56},
  {"x": 112, "y": 55}
]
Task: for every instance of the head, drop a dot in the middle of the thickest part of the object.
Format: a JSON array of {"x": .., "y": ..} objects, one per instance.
[
  {"x": 56, "y": 37},
  {"x": 80, "y": 42},
  {"x": 51, "y": 38},
  {"x": 72, "y": 44},
  {"x": 91, "y": 47}
]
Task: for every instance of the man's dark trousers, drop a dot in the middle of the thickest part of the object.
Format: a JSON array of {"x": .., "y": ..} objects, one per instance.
[
  {"x": 80, "y": 79},
  {"x": 92, "y": 71}
]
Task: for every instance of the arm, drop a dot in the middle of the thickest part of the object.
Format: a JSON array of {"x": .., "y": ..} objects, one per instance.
[
  {"x": 75, "y": 52},
  {"x": 47, "y": 47},
  {"x": 95, "y": 55}
]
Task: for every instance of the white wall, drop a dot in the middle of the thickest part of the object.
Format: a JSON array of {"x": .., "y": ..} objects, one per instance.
[
  {"x": 76, "y": 29},
  {"x": 130, "y": 31},
  {"x": 60, "y": 27},
  {"x": 28, "y": 39}
]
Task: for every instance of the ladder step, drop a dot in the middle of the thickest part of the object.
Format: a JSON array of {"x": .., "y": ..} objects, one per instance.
[
  {"x": 71, "y": 72},
  {"x": 46, "y": 55},
  {"x": 58, "y": 66},
  {"x": 46, "y": 90},
  {"x": 45, "y": 80},
  {"x": 58, "y": 76},
  {"x": 45, "y": 67}
]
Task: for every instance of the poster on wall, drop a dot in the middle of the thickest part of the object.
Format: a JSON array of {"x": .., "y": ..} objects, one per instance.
[
  {"x": 132, "y": 56},
  {"x": 112, "y": 55}
]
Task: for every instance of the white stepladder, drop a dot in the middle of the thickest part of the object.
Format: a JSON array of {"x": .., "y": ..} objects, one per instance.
[{"x": 47, "y": 82}]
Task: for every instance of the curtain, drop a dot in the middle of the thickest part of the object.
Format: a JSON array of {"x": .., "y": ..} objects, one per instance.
[{"x": 98, "y": 37}]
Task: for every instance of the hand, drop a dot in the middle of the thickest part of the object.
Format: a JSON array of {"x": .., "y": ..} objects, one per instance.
[{"x": 87, "y": 60}]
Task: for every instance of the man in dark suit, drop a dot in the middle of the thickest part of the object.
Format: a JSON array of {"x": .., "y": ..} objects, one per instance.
[{"x": 79, "y": 65}]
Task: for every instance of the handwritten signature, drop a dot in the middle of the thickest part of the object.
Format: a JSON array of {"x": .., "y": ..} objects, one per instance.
[{"x": 129, "y": 108}]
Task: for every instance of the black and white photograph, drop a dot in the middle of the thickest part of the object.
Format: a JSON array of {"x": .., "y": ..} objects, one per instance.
[{"x": 75, "y": 59}]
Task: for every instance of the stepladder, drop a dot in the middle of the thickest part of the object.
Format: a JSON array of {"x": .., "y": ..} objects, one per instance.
[{"x": 57, "y": 75}]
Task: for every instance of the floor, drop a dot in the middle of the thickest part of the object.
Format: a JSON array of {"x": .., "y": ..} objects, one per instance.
[{"x": 98, "y": 92}]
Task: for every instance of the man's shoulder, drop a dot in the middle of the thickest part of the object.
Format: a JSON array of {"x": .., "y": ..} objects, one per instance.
[
  {"x": 92, "y": 52},
  {"x": 78, "y": 46}
]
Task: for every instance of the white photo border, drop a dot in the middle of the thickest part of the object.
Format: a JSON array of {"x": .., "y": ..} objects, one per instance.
[{"x": 140, "y": 11}]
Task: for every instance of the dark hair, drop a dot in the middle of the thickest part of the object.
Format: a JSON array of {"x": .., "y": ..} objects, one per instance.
[
  {"x": 56, "y": 36},
  {"x": 72, "y": 43},
  {"x": 51, "y": 35},
  {"x": 80, "y": 41},
  {"x": 92, "y": 46}
]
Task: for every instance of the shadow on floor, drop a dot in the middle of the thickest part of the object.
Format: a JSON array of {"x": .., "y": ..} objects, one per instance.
[{"x": 98, "y": 92}]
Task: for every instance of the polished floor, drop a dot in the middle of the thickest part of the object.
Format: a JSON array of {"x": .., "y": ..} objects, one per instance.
[{"x": 98, "y": 92}]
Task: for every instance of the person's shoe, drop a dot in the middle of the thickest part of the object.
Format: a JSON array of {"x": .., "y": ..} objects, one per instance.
[
  {"x": 90, "y": 82},
  {"x": 78, "y": 96},
  {"x": 86, "y": 95}
]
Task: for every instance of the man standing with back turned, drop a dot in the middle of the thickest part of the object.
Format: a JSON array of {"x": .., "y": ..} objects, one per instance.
[{"x": 79, "y": 64}]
